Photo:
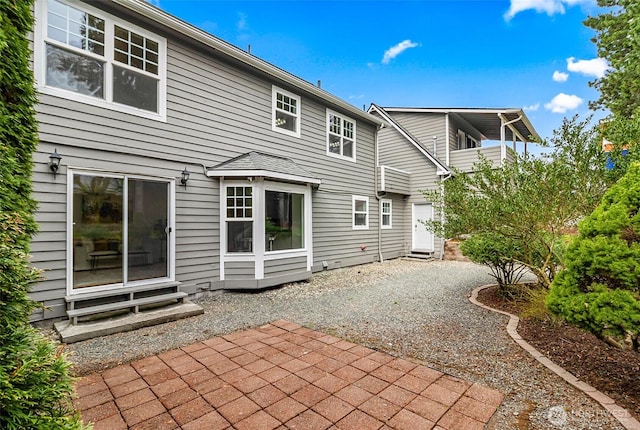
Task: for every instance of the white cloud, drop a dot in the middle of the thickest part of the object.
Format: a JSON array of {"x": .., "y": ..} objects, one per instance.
[
  {"x": 532, "y": 108},
  {"x": 560, "y": 76},
  {"x": 550, "y": 7},
  {"x": 595, "y": 67},
  {"x": 563, "y": 102},
  {"x": 396, "y": 50}
]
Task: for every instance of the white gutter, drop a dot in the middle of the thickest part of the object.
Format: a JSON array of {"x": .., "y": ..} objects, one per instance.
[
  {"x": 375, "y": 189},
  {"x": 163, "y": 18}
]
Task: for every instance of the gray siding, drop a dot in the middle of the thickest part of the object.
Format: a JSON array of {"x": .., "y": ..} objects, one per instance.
[
  {"x": 284, "y": 266},
  {"x": 424, "y": 127},
  {"x": 394, "y": 181},
  {"x": 394, "y": 242},
  {"x": 239, "y": 270},
  {"x": 394, "y": 150},
  {"x": 215, "y": 111}
]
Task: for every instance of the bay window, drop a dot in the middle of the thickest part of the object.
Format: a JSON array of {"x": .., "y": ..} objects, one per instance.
[
  {"x": 239, "y": 219},
  {"x": 284, "y": 220}
]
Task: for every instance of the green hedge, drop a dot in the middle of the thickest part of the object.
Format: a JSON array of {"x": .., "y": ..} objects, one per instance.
[{"x": 35, "y": 386}]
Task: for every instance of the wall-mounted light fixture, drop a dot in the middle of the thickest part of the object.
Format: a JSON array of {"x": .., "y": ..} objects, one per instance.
[
  {"x": 54, "y": 161},
  {"x": 185, "y": 177}
]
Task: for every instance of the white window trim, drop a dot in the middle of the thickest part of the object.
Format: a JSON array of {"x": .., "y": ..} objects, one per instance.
[
  {"x": 171, "y": 249},
  {"x": 382, "y": 224},
  {"x": 40, "y": 63},
  {"x": 274, "y": 92},
  {"x": 239, "y": 256},
  {"x": 353, "y": 213},
  {"x": 343, "y": 117}
]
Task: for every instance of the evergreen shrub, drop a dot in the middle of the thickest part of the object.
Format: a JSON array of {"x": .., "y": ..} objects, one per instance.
[{"x": 599, "y": 289}]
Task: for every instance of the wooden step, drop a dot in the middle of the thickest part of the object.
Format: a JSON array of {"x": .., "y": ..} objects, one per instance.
[{"x": 132, "y": 304}]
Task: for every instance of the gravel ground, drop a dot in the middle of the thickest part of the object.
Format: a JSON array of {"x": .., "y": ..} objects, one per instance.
[{"x": 412, "y": 309}]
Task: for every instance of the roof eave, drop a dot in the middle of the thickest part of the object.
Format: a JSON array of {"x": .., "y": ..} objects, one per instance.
[{"x": 222, "y": 173}]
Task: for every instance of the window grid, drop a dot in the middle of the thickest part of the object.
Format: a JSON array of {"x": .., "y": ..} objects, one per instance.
[
  {"x": 360, "y": 213},
  {"x": 386, "y": 213},
  {"x": 135, "y": 50},
  {"x": 286, "y": 103},
  {"x": 240, "y": 202},
  {"x": 90, "y": 34},
  {"x": 341, "y": 136}
]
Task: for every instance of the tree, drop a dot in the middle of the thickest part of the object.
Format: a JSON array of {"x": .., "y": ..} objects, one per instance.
[
  {"x": 600, "y": 288},
  {"x": 618, "y": 41},
  {"x": 530, "y": 202},
  {"x": 34, "y": 377}
]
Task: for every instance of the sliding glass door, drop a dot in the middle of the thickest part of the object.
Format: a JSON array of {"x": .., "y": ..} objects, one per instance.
[{"x": 120, "y": 230}]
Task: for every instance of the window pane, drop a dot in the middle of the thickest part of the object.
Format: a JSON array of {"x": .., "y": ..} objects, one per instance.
[
  {"x": 134, "y": 89},
  {"x": 97, "y": 231},
  {"x": 284, "y": 223},
  {"x": 347, "y": 148},
  {"x": 147, "y": 256},
  {"x": 239, "y": 236},
  {"x": 73, "y": 72},
  {"x": 361, "y": 206},
  {"x": 334, "y": 144},
  {"x": 285, "y": 121},
  {"x": 386, "y": 220},
  {"x": 360, "y": 219}
]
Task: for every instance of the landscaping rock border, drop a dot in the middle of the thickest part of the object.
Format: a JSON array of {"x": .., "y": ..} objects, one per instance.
[{"x": 618, "y": 412}]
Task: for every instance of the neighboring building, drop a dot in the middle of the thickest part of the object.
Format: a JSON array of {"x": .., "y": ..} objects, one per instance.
[
  {"x": 419, "y": 147},
  {"x": 187, "y": 165}
]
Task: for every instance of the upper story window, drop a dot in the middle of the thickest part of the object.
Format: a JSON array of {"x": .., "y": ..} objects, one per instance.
[
  {"x": 360, "y": 213},
  {"x": 286, "y": 112},
  {"x": 341, "y": 136},
  {"x": 385, "y": 213},
  {"x": 466, "y": 142},
  {"x": 92, "y": 57}
]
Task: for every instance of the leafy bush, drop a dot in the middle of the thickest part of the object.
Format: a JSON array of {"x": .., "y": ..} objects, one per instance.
[
  {"x": 499, "y": 253},
  {"x": 35, "y": 385},
  {"x": 600, "y": 288}
]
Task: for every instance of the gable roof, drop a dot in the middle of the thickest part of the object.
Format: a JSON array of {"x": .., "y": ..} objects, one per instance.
[
  {"x": 415, "y": 142},
  {"x": 163, "y": 18},
  {"x": 261, "y": 164},
  {"x": 487, "y": 121}
]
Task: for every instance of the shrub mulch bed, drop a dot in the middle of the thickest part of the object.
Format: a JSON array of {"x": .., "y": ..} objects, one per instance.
[{"x": 613, "y": 371}]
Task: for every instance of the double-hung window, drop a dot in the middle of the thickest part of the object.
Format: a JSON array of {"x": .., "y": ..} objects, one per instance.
[
  {"x": 239, "y": 205},
  {"x": 385, "y": 213},
  {"x": 360, "y": 213},
  {"x": 286, "y": 112},
  {"x": 93, "y": 57},
  {"x": 341, "y": 136}
]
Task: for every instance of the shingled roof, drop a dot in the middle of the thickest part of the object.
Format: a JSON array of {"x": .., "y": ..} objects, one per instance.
[{"x": 261, "y": 164}]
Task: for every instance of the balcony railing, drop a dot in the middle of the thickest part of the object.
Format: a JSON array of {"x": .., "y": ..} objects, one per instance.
[{"x": 464, "y": 159}]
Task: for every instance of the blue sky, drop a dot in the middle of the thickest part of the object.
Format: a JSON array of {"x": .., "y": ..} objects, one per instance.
[{"x": 531, "y": 54}]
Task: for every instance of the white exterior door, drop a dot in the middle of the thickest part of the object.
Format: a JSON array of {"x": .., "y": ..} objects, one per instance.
[{"x": 422, "y": 240}]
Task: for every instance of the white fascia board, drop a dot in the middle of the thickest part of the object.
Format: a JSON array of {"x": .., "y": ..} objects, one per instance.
[
  {"x": 409, "y": 138},
  {"x": 161, "y": 17},
  {"x": 264, "y": 174}
]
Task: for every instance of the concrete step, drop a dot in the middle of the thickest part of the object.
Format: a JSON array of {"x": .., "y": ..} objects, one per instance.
[
  {"x": 421, "y": 256},
  {"x": 70, "y": 333}
]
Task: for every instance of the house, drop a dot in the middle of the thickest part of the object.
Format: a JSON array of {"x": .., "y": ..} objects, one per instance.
[
  {"x": 171, "y": 163},
  {"x": 420, "y": 147}
]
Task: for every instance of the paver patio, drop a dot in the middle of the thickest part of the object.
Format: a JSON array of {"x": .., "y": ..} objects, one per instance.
[{"x": 281, "y": 376}]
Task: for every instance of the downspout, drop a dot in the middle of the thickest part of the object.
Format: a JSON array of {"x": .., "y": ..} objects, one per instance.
[
  {"x": 442, "y": 242},
  {"x": 447, "y": 138},
  {"x": 375, "y": 181}
]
